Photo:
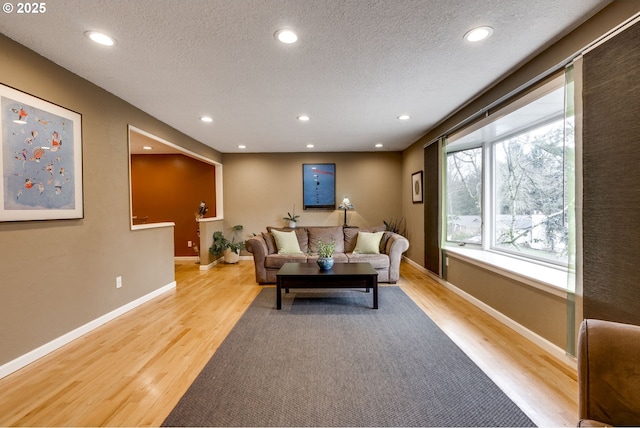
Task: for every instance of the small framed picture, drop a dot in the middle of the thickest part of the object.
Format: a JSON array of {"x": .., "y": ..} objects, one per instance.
[{"x": 416, "y": 187}]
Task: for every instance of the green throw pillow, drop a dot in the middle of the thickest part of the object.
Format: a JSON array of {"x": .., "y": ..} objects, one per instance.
[
  {"x": 368, "y": 243},
  {"x": 287, "y": 242}
]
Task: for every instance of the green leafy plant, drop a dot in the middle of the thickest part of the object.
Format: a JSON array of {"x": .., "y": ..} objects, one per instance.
[
  {"x": 220, "y": 243},
  {"x": 291, "y": 217},
  {"x": 236, "y": 247},
  {"x": 326, "y": 249},
  {"x": 396, "y": 226}
]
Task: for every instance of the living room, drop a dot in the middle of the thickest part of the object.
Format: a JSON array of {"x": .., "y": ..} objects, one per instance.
[{"x": 59, "y": 275}]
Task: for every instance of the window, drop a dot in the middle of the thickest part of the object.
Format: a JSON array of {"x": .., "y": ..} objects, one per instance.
[
  {"x": 506, "y": 178},
  {"x": 464, "y": 196}
]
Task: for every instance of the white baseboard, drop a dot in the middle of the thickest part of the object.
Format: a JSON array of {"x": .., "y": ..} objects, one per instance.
[
  {"x": 543, "y": 343},
  {"x": 29, "y": 357},
  {"x": 221, "y": 260},
  {"x": 212, "y": 264}
]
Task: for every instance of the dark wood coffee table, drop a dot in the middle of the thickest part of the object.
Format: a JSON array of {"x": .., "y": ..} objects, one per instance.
[{"x": 342, "y": 275}]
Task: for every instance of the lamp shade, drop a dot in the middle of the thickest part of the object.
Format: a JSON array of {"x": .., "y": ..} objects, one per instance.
[{"x": 346, "y": 205}]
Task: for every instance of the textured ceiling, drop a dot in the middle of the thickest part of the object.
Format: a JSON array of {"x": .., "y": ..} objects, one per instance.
[{"x": 357, "y": 64}]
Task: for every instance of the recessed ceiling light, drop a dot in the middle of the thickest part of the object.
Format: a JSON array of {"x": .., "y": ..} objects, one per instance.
[
  {"x": 286, "y": 36},
  {"x": 404, "y": 117},
  {"x": 147, "y": 147},
  {"x": 309, "y": 146},
  {"x": 206, "y": 119},
  {"x": 100, "y": 38},
  {"x": 242, "y": 146},
  {"x": 303, "y": 118},
  {"x": 379, "y": 145},
  {"x": 477, "y": 34}
]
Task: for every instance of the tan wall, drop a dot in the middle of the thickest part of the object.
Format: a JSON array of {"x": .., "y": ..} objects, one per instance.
[
  {"x": 413, "y": 161},
  {"x": 541, "y": 312},
  {"x": 56, "y": 276},
  {"x": 259, "y": 189},
  {"x": 207, "y": 229}
]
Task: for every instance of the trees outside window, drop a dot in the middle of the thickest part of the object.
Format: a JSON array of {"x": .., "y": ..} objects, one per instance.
[
  {"x": 530, "y": 204},
  {"x": 464, "y": 196}
]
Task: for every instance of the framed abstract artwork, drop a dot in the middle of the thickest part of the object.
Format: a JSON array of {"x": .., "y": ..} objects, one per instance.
[
  {"x": 40, "y": 159},
  {"x": 319, "y": 186},
  {"x": 416, "y": 187}
]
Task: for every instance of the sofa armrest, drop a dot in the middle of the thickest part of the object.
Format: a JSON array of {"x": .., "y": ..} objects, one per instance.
[
  {"x": 257, "y": 246},
  {"x": 396, "y": 245}
]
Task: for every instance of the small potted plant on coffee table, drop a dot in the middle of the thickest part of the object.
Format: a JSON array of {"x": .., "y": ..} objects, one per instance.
[{"x": 325, "y": 254}]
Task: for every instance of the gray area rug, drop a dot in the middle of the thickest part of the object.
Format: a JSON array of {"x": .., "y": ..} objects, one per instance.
[{"x": 328, "y": 359}]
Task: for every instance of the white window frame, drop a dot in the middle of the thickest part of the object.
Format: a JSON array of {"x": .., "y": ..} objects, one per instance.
[{"x": 544, "y": 272}]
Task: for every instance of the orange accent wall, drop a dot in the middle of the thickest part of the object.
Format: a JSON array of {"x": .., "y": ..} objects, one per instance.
[{"x": 170, "y": 188}]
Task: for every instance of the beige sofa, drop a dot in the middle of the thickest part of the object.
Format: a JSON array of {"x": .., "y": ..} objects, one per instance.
[{"x": 267, "y": 260}]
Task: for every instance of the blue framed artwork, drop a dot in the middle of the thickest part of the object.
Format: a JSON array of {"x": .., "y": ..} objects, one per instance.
[
  {"x": 40, "y": 159},
  {"x": 319, "y": 186}
]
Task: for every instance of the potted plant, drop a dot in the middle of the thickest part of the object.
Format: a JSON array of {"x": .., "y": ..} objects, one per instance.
[
  {"x": 232, "y": 253},
  {"x": 325, "y": 254},
  {"x": 292, "y": 218}
]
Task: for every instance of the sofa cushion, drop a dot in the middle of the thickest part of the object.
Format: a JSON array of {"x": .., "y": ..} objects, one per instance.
[
  {"x": 275, "y": 261},
  {"x": 368, "y": 243},
  {"x": 287, "y": 242},
  {"x": 271, "y": 242},
  {"x": 384, "y": 240},
  {"x": 378, "y": 261},
  {"x": 327, "y": 234},
  {"x": 350, "y": 238}
]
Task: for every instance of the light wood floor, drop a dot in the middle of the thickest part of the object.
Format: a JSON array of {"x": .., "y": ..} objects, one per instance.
[{"x": 133, "y": 370}]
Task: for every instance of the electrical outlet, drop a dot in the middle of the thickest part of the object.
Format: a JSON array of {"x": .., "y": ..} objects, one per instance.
[
  {"x": 446, "y": 261},
  {"x": 118, "y": 282},
  {"x": 189, "y": 244}
]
